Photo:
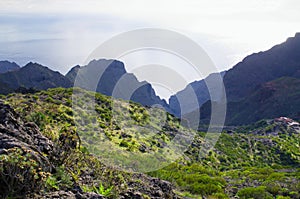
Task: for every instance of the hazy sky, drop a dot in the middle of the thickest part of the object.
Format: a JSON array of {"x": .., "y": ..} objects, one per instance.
[{"x": 61, "y": 34}]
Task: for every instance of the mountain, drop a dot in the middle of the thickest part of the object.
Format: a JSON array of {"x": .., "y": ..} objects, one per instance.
[
  {"x": 263, "y": 85},
  {"x": 241, "y": 83},
  {"x": 34, "y": 76},
  {"x": 5, "y": 89},
  {"x": 201, "y": 93},
  {"x": 114, "y": 81},
  {"x": 256, "y": 69},
  {"x": 6, "y": 66},
  {"x": 109, "y": 77}
]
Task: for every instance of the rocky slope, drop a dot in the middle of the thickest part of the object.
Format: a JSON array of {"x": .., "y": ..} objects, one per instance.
[
  {"x": 42, "y": 164},
  {"x": 14, "y": 133},
  {"x": 25, "y": 138}
]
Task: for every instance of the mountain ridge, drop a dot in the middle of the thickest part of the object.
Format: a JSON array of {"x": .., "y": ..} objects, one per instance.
[
  {"x": 114, "y": 81},
  {"x": 251, "y": 75},
  {"x": 280, "y": 60},
  {"x": 33, "y": 75},
  {"x": 240, "y": 81}
]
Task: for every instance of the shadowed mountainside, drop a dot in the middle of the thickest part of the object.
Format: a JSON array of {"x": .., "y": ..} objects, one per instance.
[
  {"x": 110, "y": 78},
  {"x": 35, "y": 76},
  {"x": 114, "y": 81},
  {"x": 264, "y": 85}
]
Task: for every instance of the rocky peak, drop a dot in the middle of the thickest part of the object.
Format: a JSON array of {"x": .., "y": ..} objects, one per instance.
[{"x": 108, "y": 76}]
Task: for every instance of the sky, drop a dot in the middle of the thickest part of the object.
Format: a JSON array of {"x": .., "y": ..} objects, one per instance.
[{"x": 61, "y": 34}]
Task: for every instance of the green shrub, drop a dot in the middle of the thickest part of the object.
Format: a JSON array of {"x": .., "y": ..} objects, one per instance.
[
  {"x": 102, "y": 190},
  {"x": 20, "y": 174},
  {"x": 68, "y": 141},
  {"x": 52, "y": 183},
  {"x": 204, "y": 189},
  {"x": 220, "y": 196},
  {"x": 273, "y": 188},
  {"x": 124, "y": 143},
  {"x": 98, "y": 189},
  {"x": 39, "y": 119},
  {"x": 254, "y": 192},
  {"x": 282, "y": 197}
]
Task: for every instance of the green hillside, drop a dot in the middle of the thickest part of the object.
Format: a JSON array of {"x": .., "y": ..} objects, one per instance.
[{"x": 257, "y": 161}]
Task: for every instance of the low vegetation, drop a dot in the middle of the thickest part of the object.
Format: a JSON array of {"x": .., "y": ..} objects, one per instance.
[{"x": 257, "y": 161}]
